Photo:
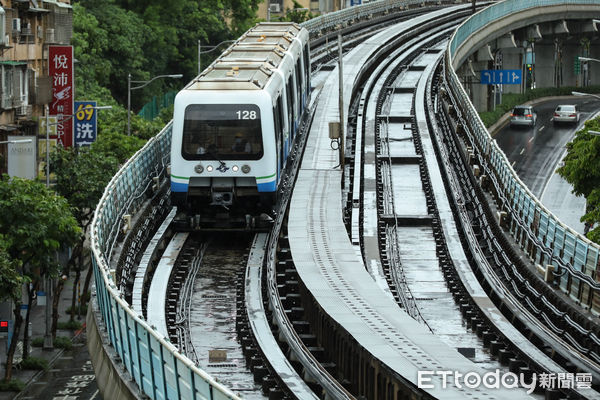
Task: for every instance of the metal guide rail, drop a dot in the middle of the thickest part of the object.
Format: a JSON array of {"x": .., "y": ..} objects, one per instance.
[
  {"x": 515, "y": 335},
  {"x": 159, "y": 370},
  {"x": 369, "y": 327},
  {"x": 549, "y": 242}
]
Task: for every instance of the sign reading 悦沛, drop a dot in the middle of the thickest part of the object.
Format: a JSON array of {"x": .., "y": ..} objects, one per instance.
[
  {"x": 85, "y": 123},
  {"x": 60, "y": 71}
]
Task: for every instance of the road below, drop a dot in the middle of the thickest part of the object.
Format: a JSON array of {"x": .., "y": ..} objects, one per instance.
[{"x": 535, "y": 154}]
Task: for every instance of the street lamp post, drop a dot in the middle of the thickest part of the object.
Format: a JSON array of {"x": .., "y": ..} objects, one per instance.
[
  {"x": 212, "y": 48},
  {"x": 142, "y": 84}
]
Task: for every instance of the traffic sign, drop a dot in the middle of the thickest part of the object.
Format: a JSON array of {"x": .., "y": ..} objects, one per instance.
[
  {"x": 85, "y": 123},
  {"x": 501, "y": 76}
]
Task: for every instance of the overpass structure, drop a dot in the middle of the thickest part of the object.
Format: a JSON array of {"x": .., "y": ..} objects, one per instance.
[{"x": 133, "y": 354}]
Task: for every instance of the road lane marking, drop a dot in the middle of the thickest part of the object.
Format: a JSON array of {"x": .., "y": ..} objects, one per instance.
[
  {"x": 522, "y": 151},
  {"x": 513, "y": 164},
  {"x": 530, "y": 140},
  {"x": 542, "y": 128},
  {"x": 94, "y": 395}
]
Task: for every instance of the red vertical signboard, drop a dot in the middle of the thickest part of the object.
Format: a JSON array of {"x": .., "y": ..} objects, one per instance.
[{"x": 60, "y": 70}]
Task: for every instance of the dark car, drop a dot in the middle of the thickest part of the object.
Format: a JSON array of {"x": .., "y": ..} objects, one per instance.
[{"x": 523, "y": 116}]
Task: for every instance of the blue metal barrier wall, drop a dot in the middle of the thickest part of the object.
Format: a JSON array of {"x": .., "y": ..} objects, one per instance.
[
  {"x": 159, "y": 370},
  {"x": 532, "y": 225}
]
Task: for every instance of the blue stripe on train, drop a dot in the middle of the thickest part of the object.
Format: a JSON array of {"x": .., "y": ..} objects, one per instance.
[
  {"x": 179, "y": 187},
  {"x": 267, "y": 187}
]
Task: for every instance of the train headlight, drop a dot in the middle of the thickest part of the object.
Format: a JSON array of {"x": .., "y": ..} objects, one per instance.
[
  {"x": 235, "y": 168},
  {"x": 245, "y": 168},
  {"x": 199, "y": 169},
  {"x": 209, "y": 168}
]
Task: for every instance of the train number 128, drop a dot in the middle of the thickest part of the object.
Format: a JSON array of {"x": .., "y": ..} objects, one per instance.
[{"x": 245, "y": 114}]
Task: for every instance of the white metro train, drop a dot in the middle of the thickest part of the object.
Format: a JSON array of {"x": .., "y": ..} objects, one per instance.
[{"x": 234, "y": 125}]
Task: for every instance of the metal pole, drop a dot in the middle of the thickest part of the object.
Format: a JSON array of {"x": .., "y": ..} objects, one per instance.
[
  {"x": 128, "y": 104},
  {"x": 199, "y": 55},
  {"x": 341, "y": 100},
  {"x": 47, "y": 147},
  {"x": 269, "y": 11},
  {"x": 48, "y": 344}
]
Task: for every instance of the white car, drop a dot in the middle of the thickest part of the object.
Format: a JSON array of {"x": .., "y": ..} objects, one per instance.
[{"x": 566, "y": 113}]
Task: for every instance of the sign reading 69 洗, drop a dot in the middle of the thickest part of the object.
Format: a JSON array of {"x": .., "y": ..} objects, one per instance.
[{"x": 85, "y": 123}]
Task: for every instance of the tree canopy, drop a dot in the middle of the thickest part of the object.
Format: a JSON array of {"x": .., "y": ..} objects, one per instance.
[
  {"x": 581, "y": 169},
  {"x": 35, "y": 223},
  {"x": 114, "y": 38}
]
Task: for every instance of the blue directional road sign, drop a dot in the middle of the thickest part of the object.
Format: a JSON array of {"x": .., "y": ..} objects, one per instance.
[
  {"x": 501, "y": 76},
  {"x": 355, "y": 2},
  {"x": 85, "y": 126}
]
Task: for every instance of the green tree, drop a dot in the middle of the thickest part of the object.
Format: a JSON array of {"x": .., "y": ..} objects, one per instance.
[
  {"x": 81, "y": 176},
  {"x": 117, "y": 145},
  {"x": 297, "y": 14},
  {"x": 36, "y": 223},
  {"x": 581, "y": 168},
  {"x": 11, "y": 282}
]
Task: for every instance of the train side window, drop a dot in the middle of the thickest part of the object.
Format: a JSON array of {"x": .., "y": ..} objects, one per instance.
[
  {"x": 299, "y": 78},
  {"x": 288, "y": 90},
  {"x": 280, "y": 113},
  {"x": 307, "y": 66},
  {"x": 278, "y": 132}
]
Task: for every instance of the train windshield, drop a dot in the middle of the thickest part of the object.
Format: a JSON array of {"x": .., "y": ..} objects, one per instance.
[{"x": 222, "y": 132}]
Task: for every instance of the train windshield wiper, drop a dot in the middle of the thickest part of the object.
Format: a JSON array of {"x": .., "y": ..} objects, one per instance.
[{"x": 215, "y": 155}]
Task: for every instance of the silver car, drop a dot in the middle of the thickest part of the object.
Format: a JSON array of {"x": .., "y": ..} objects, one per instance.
[
  {"x": 523, "y": 116},
  {"x": 566, "y": 113}
]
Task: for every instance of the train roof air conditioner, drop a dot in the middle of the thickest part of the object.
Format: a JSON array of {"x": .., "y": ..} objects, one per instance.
[{"x": 275, "y": 8}]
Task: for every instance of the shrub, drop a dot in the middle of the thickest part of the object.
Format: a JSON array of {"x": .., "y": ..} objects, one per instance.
[
  {"x": 70, "y": 325},
  {"x": 14, "y": 385},
  {"x": 82, "y": 312},
  {"x": 37, "y": 342},
  {"x": 34, "y": 363},
  {"x": 63, "y": 342}
]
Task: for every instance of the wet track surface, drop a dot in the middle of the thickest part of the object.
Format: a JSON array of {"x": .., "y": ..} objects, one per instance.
[
  {"x": 213, "y": 316},
  {"x": 535, "y": 153}
]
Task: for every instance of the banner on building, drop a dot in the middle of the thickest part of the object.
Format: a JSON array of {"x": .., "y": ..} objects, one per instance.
[
  {"x": 86, "y": 125},
  {"x": 60, "y": 71},
  {"x": 22, "y": 156}
]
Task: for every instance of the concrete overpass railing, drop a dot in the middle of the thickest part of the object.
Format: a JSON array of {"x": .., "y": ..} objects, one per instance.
[{"x": 549, "y": 242}]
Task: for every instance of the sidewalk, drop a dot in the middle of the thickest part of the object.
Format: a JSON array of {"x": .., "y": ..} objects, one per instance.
[{"x": 38, "y": 328}]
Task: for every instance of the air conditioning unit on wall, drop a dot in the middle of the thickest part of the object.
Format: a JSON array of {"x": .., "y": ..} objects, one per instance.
[{"x": 275, "y": 8}]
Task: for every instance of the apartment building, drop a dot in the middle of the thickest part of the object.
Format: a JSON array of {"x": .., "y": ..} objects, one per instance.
[
  {"x": 278, "y": 8},
  {"x": 27, "y": 28}
]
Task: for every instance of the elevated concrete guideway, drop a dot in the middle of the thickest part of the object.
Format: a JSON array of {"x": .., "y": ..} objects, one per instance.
[{"x": 548, "y": 36}]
